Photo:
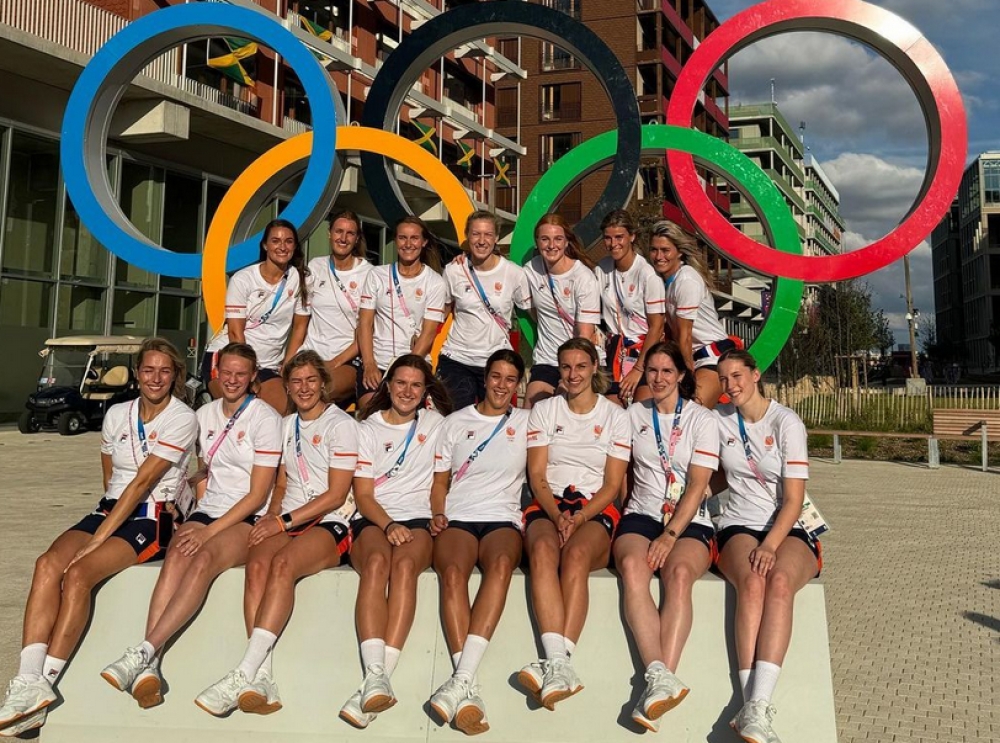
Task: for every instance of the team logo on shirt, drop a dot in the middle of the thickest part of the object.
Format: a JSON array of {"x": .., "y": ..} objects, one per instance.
[
  {"x": 317, "y": 439},
  {"x": 466, "y": 288},
  {"x": 769, "y": 442},
  {"x": 152, "y": 436},
  {"x": 210, "y": 436},
  {"x": 421, "y": 437},
  {"x": 387, "y": 446},
  {"x": 322, "y": 283},
  {"x": 124, "y": 438},
  {"x": 631, "y": 288},
  {"x": 597, "y": 431},
  {"x": 730, "y": 441},
  {"x": 566, "y": 291},
  {"x": 469, "y": 435},
  {"x": 419, "y": 293},
  {"x": 510, "y": 432},
  {"x": 559, "y": 429},
  {"x": 261, "y": 294},
  {"x": 643, "y": 429},
  {"x": 240, "y": 435},
  {"x": 498, "y": 287},
  {"x": 353, "y": 285}
]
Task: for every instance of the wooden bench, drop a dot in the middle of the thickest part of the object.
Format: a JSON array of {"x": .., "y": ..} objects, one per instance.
[
  {"x": 933, "y": 455},
  {"x": 968, "y": 425}
]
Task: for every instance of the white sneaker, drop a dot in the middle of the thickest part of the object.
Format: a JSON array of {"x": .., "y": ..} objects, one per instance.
[
  {"x": 29, "y": 722},
  {"x": 223, "y": 696},
  {"x": 261, "y": 696},
  {"x": 25, "y": 694},
  {"x": 754, "y": 722},
  {"x": 471, "y": 715},
  {"x": 376, "y": 691},
  {"x": 639, "y": 717},
  {"x": 531, "y": 676},
  {"x": 147, "y": 689},
  {"x": 123, "y": 672},
  {"x": 352, "y": 713},
  {"x": 559, "y": 682},
  {"x": 449, "y": 695},
  {"x": 664, "y": 691}
]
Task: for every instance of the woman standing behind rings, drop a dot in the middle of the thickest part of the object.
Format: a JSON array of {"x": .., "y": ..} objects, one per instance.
[
  {"x": 763, "y": 551},
  {"x": 391, "y": 542},
  {"x": 632, "y": 307},
  {"x": 566, "y": 300},
  {"x": 476, "y": 502},
  {"x": 402, "y": 304},
  {"x": 691, "y": 314},
  {"x": 578, "y": 452},
  {"x": 666, "y": 527},
  {"x": 239, "y": 444},
  {"x": 265, "y": 303},
  {"x": 335, "y": 282},
  {"x": 305, "y": 529},
  {"x": 483, "y": 288}
]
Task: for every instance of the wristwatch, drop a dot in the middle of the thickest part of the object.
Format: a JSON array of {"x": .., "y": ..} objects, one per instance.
[
  {"x": 670, "y": 532},
  {"x": 286, "y": 520}
]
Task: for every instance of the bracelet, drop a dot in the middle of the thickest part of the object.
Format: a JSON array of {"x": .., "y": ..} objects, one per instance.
[
  {"x": 280, "y": 522},
  {"x": 386, "y": 529},
  {"x": 670, "y": 532}
]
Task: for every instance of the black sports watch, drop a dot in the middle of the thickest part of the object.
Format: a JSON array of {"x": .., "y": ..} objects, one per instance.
[{"x": 286, "y": 519}]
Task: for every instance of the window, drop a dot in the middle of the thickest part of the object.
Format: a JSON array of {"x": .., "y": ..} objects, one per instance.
[
  {"x": 30, "y": 226},
  {"x": 991, "y": 181},
  {"x": 25, "y": 304},
  {"x": 555, "y": 146},
  {"x": 508, "y": 48},
  {"x": 133, "y": 313},
  {"x": 181, "y": 222},
  {"x": 555, "y": 58},
  {"x": 569, "y": 7},
  {"x": 142, "y": 202},
  {"x": 506, "y": 103},
  {"x": 296, "y": 104},
  {"x": 80, "y": 309},
  {"x": 561, "y": 102},
  {"x": 82, "y": 256}
]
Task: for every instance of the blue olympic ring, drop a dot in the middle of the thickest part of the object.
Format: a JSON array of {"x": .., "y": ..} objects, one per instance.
[{"x": 103, "y": 82}]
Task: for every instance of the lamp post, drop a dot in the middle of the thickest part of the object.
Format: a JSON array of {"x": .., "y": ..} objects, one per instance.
[{"x": 911, "y": 318}]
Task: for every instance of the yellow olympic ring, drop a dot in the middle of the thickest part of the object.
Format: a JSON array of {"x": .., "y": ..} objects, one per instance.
[{"x": 251, "y": 180}]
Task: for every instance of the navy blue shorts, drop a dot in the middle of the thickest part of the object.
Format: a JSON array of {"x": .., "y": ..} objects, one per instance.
[
  {"x": 198, "y": 517},
  {"x": 149, "y": 537},
  {"x": 572, "y": 501},
  {"x": 361, "y": 523},
  {"x": 465, "y": 384},
  {"x": 546, "y": 373},
  {"x": 650, "y": 528},
  {"x": 760, "y": 534},
  {"x": 480, "y": 529}
]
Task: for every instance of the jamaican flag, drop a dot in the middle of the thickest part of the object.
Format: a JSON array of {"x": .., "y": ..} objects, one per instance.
[
  {"x": 501, "y": 168},
  {"x": 427, "y": 134},
  {"x": 230, "y": 63},
  {"x": 316, "y": 30},
  {"x": 467, "y": 152}
]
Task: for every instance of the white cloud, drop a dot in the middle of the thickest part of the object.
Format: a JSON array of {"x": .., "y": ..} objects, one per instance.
[{"x": 874, "y": 193}]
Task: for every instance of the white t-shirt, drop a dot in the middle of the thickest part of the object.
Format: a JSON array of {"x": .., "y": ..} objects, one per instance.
[
  {"x": 329, "y": 442},
  {"x": 424, "y": 297},
  {"x": 490, "y": 489},
  {"x": 579, "y": 445},
  {"x": 639, "y": 288},
  {"x": 475, "y": 334},
  {"x": 579, "y": 296},
  {"x": 170, "y": 435},
  {"x": 688, "y": 298},
  {"x": 406, "y": 495},
  {"x": 249, "y": 297},
  {"x": 255, "y": 439},
  {"x": 333, "y": 312},
  {"x": 778, "y": 445},
  {"x": 698, "y": 444}
]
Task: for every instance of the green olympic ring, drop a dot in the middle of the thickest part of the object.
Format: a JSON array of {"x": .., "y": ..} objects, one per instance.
[{"x": 741, "y": 171}]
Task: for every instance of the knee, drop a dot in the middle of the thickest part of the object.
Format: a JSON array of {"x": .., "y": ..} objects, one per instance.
[
  {"x": 376, "y": 569},
  {"x": 454, "y": 578},
  {"x": 49, "y": 567},
  {"x": 634, "y": 570},
  {"x": 404, "y": 568},
  {"x": 779, "y": 586},
  {"x": 576, "y": 559},
  {"x": 544, "y": 556},
  {"x": 255, "y": 575},
  {"x": 502, "y": 567},
  {"x": 201, "y": 564},
  {"x": 77, "y": 580},
  {"x": 750, "y": 587},
  {"x": 281, "y": 568},
  {"x": 678, "y": 578}
]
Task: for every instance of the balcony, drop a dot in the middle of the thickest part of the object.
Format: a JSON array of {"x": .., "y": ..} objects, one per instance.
[
  {"x": 659, "y": 55},
  {"x": 675, "y": 21},
  {"x": 293, "y": 126},
  {"x": 752, "y": 144},
  {"x": 562, "y": 112}
]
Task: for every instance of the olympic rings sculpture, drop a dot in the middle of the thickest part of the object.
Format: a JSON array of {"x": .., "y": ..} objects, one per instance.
[{"x": 314, "y": 155}]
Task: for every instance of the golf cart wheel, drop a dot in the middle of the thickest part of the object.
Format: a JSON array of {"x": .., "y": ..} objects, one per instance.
[
  {"x": 70, "y": 424},
  {"x": 27, "y": 423}
]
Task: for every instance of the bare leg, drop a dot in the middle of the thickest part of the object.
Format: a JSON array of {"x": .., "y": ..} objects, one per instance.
[
  {"x": 794, "y": 567},
  {"x": 408, "y": 562},
  {"x": 640, "y": 609},
  {"x": 175, "y": 567},
  {"x": 686, "y": 563},
  {"x": 587, "y": 550},
  {"x": 542, "y": 544},
  {"x": 455, "y": 553},
  {"x": 342, "y": 381},
  {"x": 735, "y": 566},
  {"x": 538, "y": 391},
  {"x": 45, "y": 596},
  {"x": 499, "y": 555},
  {"x": 371, "y": 556},
  {"x": 708, "y": 390},
  {"x": 256, "y": 575},
  {"x": 273, "y": 393}
]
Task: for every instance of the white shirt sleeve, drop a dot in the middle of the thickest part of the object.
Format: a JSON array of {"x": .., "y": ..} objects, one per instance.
[
  {"x": 435, "y": 300},
  {"x": 588, "y": 297},
  {"x": 366, "y": 453},
  {"x": 522, "y": 288},
  {"x": 538, "y": 426},
  {"x": 620, "y": 440},
  {"x": 445, "y": 446},
  {"x": 705, "y": 448},
  {"x": 794, "y": 448},
  {"x": 267, "y": 439},
  {"x": 655, "y": 294},
  {"x": 371, "y": 290},
  {"x": 688, "y": 294},
  {"x": 237, "y": 295},
  {"x": 175, "y": 440},
  {"x": 343, "y": 441}
]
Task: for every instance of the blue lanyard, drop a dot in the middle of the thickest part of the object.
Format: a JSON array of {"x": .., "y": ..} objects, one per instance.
[
  {"x": 225, "y": 431},
  {"x": 669, "y": 280},
  {"x": 482, "y": 295},
  {"x": 667, "y": 457},
  {"x": 746, "y": 450},
  {"x": 402, "y": 456},
  {"x": 343, "y": 289},
  {"x": 560, "y": 310},
  {"x": 399, "y": 292},
  {"x": 275, "y": 301},
  {"x": 460, "y": 472},
  {"x": 141, "y": 429}
]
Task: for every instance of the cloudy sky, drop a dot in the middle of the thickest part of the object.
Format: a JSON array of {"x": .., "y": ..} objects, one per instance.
[{"x": 863, "y": 122}]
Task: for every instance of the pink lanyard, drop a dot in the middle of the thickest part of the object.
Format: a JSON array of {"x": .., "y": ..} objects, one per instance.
[
  {"x": 225, "y": 432},
  {"x": 460, "y": 472},
  {"x": 566, "y": 317},
  {"x": 470, "y": 273},
  {"x": 340, "y": 284}
]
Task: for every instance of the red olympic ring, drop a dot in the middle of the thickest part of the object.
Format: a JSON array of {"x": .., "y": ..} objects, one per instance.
[{"x": 897, "y": 41}]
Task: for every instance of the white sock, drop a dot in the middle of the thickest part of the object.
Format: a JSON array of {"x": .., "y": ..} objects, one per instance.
[
  {"x": 745, "y": 674},
  {"x": 456, "y": 658},
  {"x": 260, "y": 644},
  {"x": 765, "y": 678},
  {"x": 554, "y": 646},
  {"x": 148, "y": 651},
  {"x": 373, "y": 652},
  {"x": 570, "y": 646},
  {"x": 471, "y": 656},
  {"x": 657, "y": 665},
  {"x": 53, "y": 668},
  {"x": 33, "y": 659},
  {"x": 266, "y": 665},
  {"x": 391, "y": 659}
]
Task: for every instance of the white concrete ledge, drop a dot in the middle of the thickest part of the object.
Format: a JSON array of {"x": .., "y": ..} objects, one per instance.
[{"x": 316, "y": 666}]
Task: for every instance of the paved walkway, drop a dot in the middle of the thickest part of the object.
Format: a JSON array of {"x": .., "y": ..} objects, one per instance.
[{"x": 912, "y": 577}]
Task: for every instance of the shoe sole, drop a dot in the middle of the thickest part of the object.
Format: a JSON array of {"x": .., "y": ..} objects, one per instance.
[
  {"x": 471, "y": 720},
  {"x": 527, "y": 681},
  {"x": 256, "y": 704},
  {"x": 553, "y": 698},
  {"x": 29, "y": 722},
  {"x": 11, "y": 720},
  {"x": 110, "y": 678},
  {"x": 212, "y": 712},
  {"x": 147, "y": 693},
  {"x": 442, "y": 713},
  {"x": 378, "y": 703},
  {"x": 748, "y": 739},
  {"x": 658, "y": 709},
  {"x": 646, "y": 723},
  {"x": 350, "y": 720}
]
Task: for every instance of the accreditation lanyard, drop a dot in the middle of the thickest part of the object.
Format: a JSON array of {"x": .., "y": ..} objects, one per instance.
[
  {"x": 474, "y": 279},
  {"x": 274, "y": 303},
  {"x": 566, "y": 317},
  {"x": 667, "y": 454},
  {"x": 340, "y": 285},
  {"x": 460, "y": 472},
  {"x": 300, "y": 458},
  {"x": 623, "y": 310},
  {"x": 746, "y": 450},
  {"x": 401, "y": 458},
  {"x": 141, "y": 434},
  {"x": 225, "y": 431}
]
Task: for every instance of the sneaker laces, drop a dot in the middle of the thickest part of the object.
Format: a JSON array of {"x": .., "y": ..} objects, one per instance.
[
  {"x": 135, "y": 656},
  {"x": 375, "y": 669},
  {"x": 235, "y": 680}
]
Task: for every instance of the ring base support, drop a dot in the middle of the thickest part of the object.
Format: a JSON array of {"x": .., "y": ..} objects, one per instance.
[{"x": 316, "y": 667}]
